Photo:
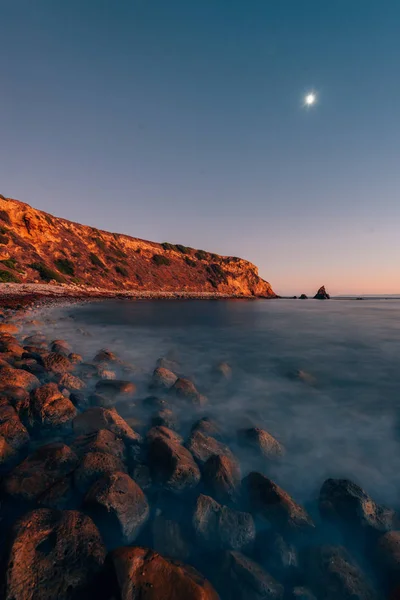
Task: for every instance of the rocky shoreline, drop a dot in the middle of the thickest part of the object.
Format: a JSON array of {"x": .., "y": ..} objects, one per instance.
[{"x": 106, "y": 492}]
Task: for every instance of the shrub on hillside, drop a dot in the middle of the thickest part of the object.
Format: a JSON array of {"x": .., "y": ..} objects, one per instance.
[
  {"x": 4, "y": 239},
  {"x": 64, "y": 265},
  {"x": 161, "y": 260},
  {"x": 216, "y": 273},
  {"x": 95, "y": 260},
  {"x": 121, "y": 270},
  {"x": 46, "y": 273},
  {"x": 4, "y": 216},
  {"x": 100, "y": 243},
  {"x": 201, "y": 255},
  {"x": 182, "y": 249},
  {"x": 190, "y": 262},
  {"x": 7, "y": 277},
  {"x": 11, "y": 263},
  {"x": 168, "y": 246}
]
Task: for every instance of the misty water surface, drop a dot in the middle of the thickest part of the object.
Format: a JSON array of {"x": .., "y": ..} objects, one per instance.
[{"x": 343, "y": 424}]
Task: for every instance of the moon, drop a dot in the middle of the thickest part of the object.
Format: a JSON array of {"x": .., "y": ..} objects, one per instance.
[{"x": 310, "y": 99}]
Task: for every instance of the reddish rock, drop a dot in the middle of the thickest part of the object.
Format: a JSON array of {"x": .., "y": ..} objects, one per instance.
[
  {"x": 8, "y": 455},
  {"x": 57, "y": 363},
  {"x": 164, "y": 432},
  {"x": 39, "y": 471},
  {"x": 118, "y": 506},
  {"x": 186, "y": 390},
  {"x": 75, "y": 358},
  {"x": 275, "y": 505},
  {"x": 61, "y": 347},
  {"x": 164, "y": 418},
  {"x": 105, "y": 355},
  {"x": 221, "y": 475},
  {"x": 163, "y": 378},
  {"x": 49, "y": 408},
  {"x": 142, "y": 573},
  {"x": 100, "y": 441},
  {"x": 322, "y": 294},
  {"x": 169, "y": 538},
  {"x": 8, "y": 328},
  {"x": 243, "y": 579},
  {"x": 208, "y": 427},
  {"x": 94, "y": 419},
  {"x": 93, "y": 466},
  {"x": 115, "y": 387},
  {"x": 11, "y": 428},
  {"x": 17, "y": 378},
  {"x": 60, "y": 496},
  {"x": 54, "y": 555},
  {"x": 261, "y": 442},
  {"x": 71, "y": 382},
  {"x": 203, "y": 447}
]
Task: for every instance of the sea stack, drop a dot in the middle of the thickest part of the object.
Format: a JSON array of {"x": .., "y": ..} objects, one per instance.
[
  {"x": 303, "y": 297},
  {"x": 322, "y": 294}
]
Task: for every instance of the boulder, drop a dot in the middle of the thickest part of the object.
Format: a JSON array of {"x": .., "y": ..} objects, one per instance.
[
  {"x": 168, "y": 537},
  {"x": 142, "y": 573},
  {"x": 163, "y": 379},
  {"x": 220, "y": 527},
  {"x": 388, "y": 556},
  {"x": 17, "y": 378},
  {"x": 167, "y": 363},
  {"x": 60, "y": 496},
  {"x": 36, "y": 339},
  {"x": 94, "y": 466},
  {"x": 222, "y": 372},
  {"x": 207, "y": 426},
  {"x": 322, "y": 294},
  {"x": 203, "y": 447},
  {"x": 8, "y": 328},
  {"x": 57, "y": 363},
  {"x": 99, "y": 441},
  {"x": 186, "y": 390},
  {"x": 243, "y": 579},
  {"x": 221, "y": 476},
  {"x": 53, "y": 555},
  {"x": 301, "y": 593},
  {"x": 105, "y": 355},
  {"x": 39, "y": 471},
  {"x": 118, "y": 506},
  {"x": 75, "y": 358},
  {"x": 303, "y": 297},
  {"x": 170, "y": 463},
  {"x": 164, "y": 418},
  {"x": 94, "y": 419},
  {"x": 11, "y": 428},
  {"x": 115, "y": 388},
  {"x": 61, "y": 347},
  {"x": 71, "y": 382},
  {"x": 8, "y": 455},
  {"x": 275, "y": 505},
  {"x": 164, "y": 432},
  {"x": 349, "y": 506},
  {"x": 332, "y": 575},
  {"x": 278, "y": 555},
  {"x": 155, "y": 402},
  {"x": 262, "y": 442},
  {"x": 48, "y": 408}
]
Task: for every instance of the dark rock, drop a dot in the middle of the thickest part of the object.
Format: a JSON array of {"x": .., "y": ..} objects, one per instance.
[
  {"x": 155, "y": 402},
  {"x": 142, "y": 573},
  {"x": 57, "y": 363},
  {"x": 218, "y": 526},
  {"x": 164, "y": 432},
  {"x": 39, "y": 471},
  {"x": 163, "y": 378},
  {"x": 59, "y": 496},
  {"x": 118, "y": 506},
  {"x": 104, "y": 401},
  {"x": 221, "y": 475},
  {"x": 71, "y": 382},
  {"x": 262, "y": 442},
  {"x": 170, "y": 463},
  {"x": 203, "y": 447},
  {"x": 36, "y": 339},
  {"x": 332, "y": 575},
  {"x": 348, "y": 505},
  {"x": 275, "y": 505},
  {"x": 388, "y": 556},
  {"x": 54, "y": 555},
  {"x": 186, "y": 390},
  {"x": 141, "y": 474},
  {"x": 303, "y": 297},
  {"x": 115, "y": 388},
  {"x": 99, "y": 441},
  {"x": 167, "y": 363},
  {"x": 94, "y": 419},
  {"x": 105, "y": 355},
  {"x": 243, "y": 579},
  {"x": 278, "y": 556},
  {"x": 301, "y": 593},
  {"x": 93, "y": 466},
  {"x": 168, "y": 537},
  {"x": 8, "y": 456},
  {"x": 322, "y": 294},
  {"x": 164, "y": 418},
  {"x": 79, "y": 400},
  {"x": 207, "y": 426}
]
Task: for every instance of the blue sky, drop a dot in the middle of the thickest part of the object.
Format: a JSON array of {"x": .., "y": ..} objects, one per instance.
[{"x": 183, "y": 121}]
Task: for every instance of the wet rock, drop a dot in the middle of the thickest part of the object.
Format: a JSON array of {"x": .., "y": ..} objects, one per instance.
[
  {"x": 11, "y": 428},
  {"x": 99, "y": 441},
  {"x": 388, "y": 556},
  {"x": 168, "y": 537},
  {"x": 221, "y": 475},
  {"x": 39, "y": 471},
  {"x": 303, "y": 297},
  {"x": 8, "y": 328},
  {"x": 17, "y": 377},
  {"x": 115, "y": 388},
  {"x": 186, "y": 390},
  {"x": 71, "y": 382},
  {"x": 86, "y": 371},
  {"x": 207, "y": 426},
  {"x": 94, "y": 419},
  {"x": 118, "y": 506},
  {"x": 54, "y": 554},
  {"x": 59, "y": 496},
  {"x": 141, "y": 474},
  {"x": 218, "y": 526},
  {"x": 278, "y": 556},
  {"x": 61, "y": 347},
  {"x": 261, "y": 442},
  {"x": 79, "y": 400},
  {"x": 105, "y": 372},
  {"x": 8, "y": 455},
  {"x": 222, "y": 371},
  {"x": 164, "y": 418},
  {"x": 164, "y": 432},
  {"x": 48, "y": 408},
  {"x": 243, "y": 579},
  {"x": 94, "y": 466},
  {"x": 155, "y": 402},
  {"x": 75, "y": 358},
  {"x": 57, "y": 363},
  {"x": 167, "y": 363},
  {"x": 170, "y": 463},
  {"x": 36, "y": 339},
  {"x": 322, "y": 294},
  {"x": 203, "y": 447},
  {"x": 142, "y": 573},
  {"x": 301, "y": 593},
  {"x": 100, "y": 400},
  {"x": 163, "y": 379},
  {"x": 332, "y": 575},
  {"x": 348, "y": 505},
  {"x": 105, "y": 355},
  {"x": 275, "y": 505}
]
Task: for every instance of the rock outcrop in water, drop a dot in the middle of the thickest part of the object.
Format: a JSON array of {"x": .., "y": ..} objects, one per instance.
[
  {"x": 322, "y": 294},
  {"x": 38, "y": 247}
]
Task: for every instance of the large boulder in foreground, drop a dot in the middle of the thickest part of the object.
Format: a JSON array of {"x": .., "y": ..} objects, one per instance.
[
  {"x": 349, "y": 506},
  {"x": 322, "y": 294},
  {"x": 94, "y": 466},
  {"x": 142, "y": 573},
  {"x": 17, "y": 378},
  {"x": 275, "y": 505},
  {"x": 54, "y": 554},
  {"x": 118, "y": 506}
]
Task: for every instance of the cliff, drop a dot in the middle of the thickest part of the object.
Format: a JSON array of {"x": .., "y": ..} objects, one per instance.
[{"x": 36, "y": 247}]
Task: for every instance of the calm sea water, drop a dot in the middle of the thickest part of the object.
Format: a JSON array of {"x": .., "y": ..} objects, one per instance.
[{"x": 342, "y": 423}]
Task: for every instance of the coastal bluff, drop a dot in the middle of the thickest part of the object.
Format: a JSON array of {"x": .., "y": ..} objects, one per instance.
[{"x": 36, "y": 247}]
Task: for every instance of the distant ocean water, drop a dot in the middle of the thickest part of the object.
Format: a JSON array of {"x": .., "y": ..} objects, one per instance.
[{"x": 345, "y": 424}]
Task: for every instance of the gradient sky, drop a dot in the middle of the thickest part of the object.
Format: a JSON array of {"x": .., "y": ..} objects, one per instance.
[{"x": 182, "y": 121}]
